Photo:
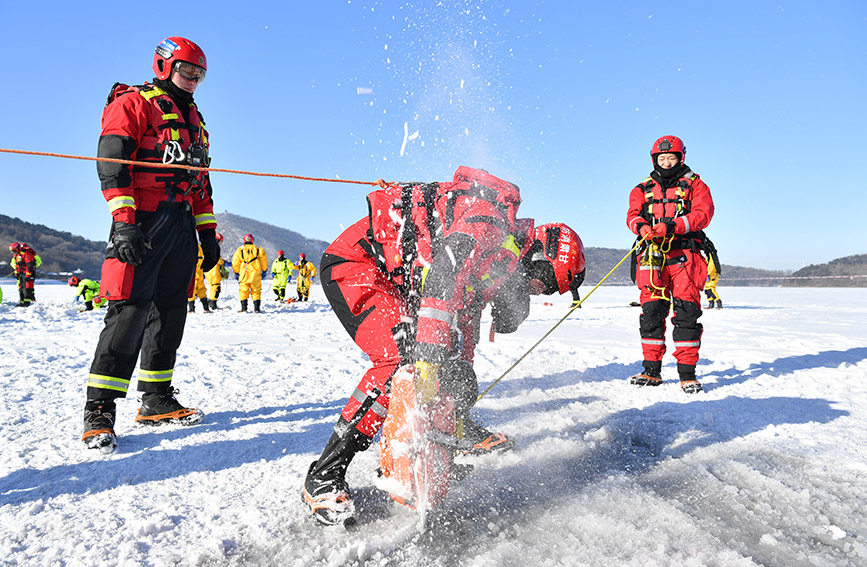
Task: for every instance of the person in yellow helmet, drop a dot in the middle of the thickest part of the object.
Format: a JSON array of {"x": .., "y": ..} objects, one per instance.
[
  {"x": 306, "y": 273},
  {"x": 215, "y": 277},
  {"x": 710, "y": 285},
  {"x": 250, "y": 263},
  {"x": 197, "y": 288},
  {"x": 281, "y": 271}
]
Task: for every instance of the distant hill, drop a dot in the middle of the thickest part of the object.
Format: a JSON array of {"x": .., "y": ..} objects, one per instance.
[
  {"x": 847, "y": 266},
  {"x": 267, "y": 236},
  {"x": 601, "y": 260},
  {"x": 61, "y": 252}
]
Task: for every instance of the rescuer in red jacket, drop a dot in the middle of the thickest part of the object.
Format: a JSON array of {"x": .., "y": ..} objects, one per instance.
[
  {"x": 670, "y": 208},
  {"x": 409, "y": 283},
  {"x": 151, "y": 254}
]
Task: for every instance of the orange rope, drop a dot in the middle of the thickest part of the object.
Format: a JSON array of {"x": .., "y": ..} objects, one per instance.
[{"x": 379, "y": 182}]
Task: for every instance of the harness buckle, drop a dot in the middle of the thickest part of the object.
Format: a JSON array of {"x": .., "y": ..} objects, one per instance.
[{"x": 173, "y": 153}]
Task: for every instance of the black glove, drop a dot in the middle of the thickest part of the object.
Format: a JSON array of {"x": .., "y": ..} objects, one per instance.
[
  {"x": 210, "y": 248},
  {"x": 128, "y": 243}
]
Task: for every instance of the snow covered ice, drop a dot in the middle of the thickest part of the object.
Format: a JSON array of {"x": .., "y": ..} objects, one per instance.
[{"x": 766, "y": 467}]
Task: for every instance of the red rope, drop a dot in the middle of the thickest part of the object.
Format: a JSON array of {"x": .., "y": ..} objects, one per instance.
[{"x": 378, "y": 182}]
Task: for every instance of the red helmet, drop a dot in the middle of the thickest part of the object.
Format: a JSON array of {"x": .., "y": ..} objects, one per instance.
[
  {"x": 302, "y": 256},
  {"x": 73, "y": 280},
  {"x": 280, "y": 252},
  {"x": 562, "y": 248},
  {"x": 173, "y": 49},
  {"x": 248, "y": 238},
  {"x": 668, "y": 145},
  {"x": 219, "y": 237},
  {"x": 14, "y": 247}
]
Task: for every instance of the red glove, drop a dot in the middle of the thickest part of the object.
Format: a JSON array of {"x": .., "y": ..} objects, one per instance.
[
  {"x": 644, "y": 231},
  {"x": 662, "y": 230}
]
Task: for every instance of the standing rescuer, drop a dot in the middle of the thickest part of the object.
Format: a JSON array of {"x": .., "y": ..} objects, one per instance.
[
  {"x": 670, "y": 209},
  {"x": 151, "y": 253},
  {"x": 215, "y": 277},
  {"x": 24, "y": 263},
  {"x": 281, "y": 269},
  {"x": 306, "y": 273},
  {"x": 250, "y": 263}
]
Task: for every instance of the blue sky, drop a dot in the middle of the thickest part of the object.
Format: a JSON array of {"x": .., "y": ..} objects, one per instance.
[{"x": 562, "y": 98}]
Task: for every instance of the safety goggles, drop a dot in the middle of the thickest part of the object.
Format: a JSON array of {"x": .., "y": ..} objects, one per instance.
[{"x": 189, "y": 71}]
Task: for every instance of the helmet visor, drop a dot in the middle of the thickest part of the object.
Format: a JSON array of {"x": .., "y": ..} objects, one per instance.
[{"x": 189, "y": 71}]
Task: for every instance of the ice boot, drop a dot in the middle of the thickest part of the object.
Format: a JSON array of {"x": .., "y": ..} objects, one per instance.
[
  {"x": 99, "y": 426},
  {"x": 161, "y": 407},
  {"x": 243, "y": 306},
  {"x": 191, "y": 306},
  {"x": 257, "y": 306},
  {"x": 719, "y": 304},
  {"x": 688, "y": 383},
  {"x": 650, "y": 376},
  {"x": 325, "y": 490},
  {"x": 205, "y": 307},
  {"x": 483, "y": 441},
  {"x": 212, "y": 304}
]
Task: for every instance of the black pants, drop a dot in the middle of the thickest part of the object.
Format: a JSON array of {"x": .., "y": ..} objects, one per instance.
[{"x": 151, "y": 321}]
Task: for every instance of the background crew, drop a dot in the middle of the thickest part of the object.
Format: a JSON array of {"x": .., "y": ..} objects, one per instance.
[
  {"x": 24, "y": 263},
  {"x": 306, "y": 273},
  {"x": 89, "y": 291},
  {"x": 281, "y": 271},
  {"x": 251, "y": 264}
]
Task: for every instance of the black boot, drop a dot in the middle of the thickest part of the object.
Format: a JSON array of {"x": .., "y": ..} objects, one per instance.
[
  {"x": 325, "y": 489},
  {"x": 719, "y": 303},
  {"x": 212, "y": 303},
  {"x": 205, "y": 306},
  {"x": 257, "y": 305},
  {"x": 652, "y": 375},
  {"x": 99, "y": 432},
  {"x": 688, "y": 383},
  {"x": 162, "y": 407},
  {"x": 243, "y": 306},
  {"x": 191, "y": 306}
]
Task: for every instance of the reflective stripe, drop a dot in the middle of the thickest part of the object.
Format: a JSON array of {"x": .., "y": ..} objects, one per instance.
[
  {"x": 510, "y": 245},
  {"x": 155, "y": 375},
  {"x": 653, "y": 341},
  {"x": 376, "y": 407},
  {"x": 685, "y": 224},
  {"x": 207, "y": 218},
  {"x": 687, "y": 344},
  {"x": 116, "y": 203},
  {"x": 107, "y": 382},
  {"x": 170, "y": 116},
  {"x": 437, "y": 314},
  {"x": 150, "y": 93}
]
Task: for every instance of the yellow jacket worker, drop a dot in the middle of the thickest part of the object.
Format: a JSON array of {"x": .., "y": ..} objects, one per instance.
[
  {"x": 250, "y": 263},
  {"x": 306, "y": 273},
  {"x": 215, "y": 277},
  {"x": 197, "y": 287},
  {"x": 710, "y": 285}
]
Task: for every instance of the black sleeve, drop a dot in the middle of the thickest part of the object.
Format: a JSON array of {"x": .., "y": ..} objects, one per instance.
[{"x": 511, "y": 304}]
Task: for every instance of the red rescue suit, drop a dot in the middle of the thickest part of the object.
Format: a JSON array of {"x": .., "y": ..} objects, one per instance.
[
  {"x": 409, "y": 282},
  {"x": 677, "y": 279},
  {"x": 148, "y": 302},
  {"x": 24, "y": 262}
]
